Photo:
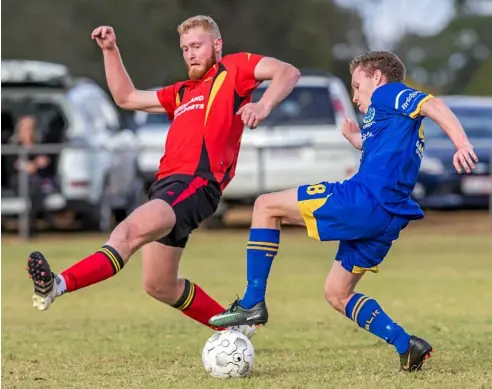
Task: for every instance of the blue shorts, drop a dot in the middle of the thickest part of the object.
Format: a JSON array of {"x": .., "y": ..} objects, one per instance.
[{"x": 349, "y": 213}]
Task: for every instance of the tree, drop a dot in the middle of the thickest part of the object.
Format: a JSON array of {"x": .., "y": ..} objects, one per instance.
[
  {"x": 59, "y": 31},
  {"x": 449, "y": 60}
]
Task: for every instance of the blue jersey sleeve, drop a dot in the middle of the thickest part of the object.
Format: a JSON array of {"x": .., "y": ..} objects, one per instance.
[{"x": 397, "y": 98}]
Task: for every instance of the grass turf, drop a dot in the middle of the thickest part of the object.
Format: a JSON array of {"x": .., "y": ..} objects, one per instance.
[{"x": 112, "y": 335}]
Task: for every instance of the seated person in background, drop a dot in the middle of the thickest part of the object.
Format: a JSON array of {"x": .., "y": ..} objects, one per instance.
[{"x": 37, "y": 165}]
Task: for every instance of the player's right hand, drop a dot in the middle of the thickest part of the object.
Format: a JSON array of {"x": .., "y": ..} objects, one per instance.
[
  {"x": 350, "y": 127},
  {"x": 465, "y": 159},
  {"x": 105, "y": 37},
  {"x": 351, "y": 132}
]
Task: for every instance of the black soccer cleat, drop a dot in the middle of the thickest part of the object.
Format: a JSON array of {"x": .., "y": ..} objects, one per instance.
[
  {"x": 43, "y": 280},
  {"x": 418, "y": 352},
  {"x": 237, "y": 315}
]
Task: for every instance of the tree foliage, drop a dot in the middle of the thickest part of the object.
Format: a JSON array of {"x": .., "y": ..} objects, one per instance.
[{"x": 302, "y": 33}]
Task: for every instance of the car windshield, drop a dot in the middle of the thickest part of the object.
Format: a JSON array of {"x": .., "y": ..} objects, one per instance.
[
  {"x": 306, "y": 105},
  {"x": 477, "y": 122}
]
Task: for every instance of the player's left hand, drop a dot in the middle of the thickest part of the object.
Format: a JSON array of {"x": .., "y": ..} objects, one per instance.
[
  {"x": 252, "y": 114},
  {"x": 465, "y": 158}
]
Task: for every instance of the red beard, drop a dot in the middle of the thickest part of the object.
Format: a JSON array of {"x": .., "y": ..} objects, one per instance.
[{"x": 197, "y": 72}]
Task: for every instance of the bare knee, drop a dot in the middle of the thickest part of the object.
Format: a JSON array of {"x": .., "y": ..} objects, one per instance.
[
  {"x": 336, "y": 298},
  {"x": 167, "y": 292},
  {"x": 126, "y": 237},
  {"x": 276, "y": 204},
  {"x": 147, "y": 223},
  {"x": 279, "y": 206},
  {"x": 263, "y": 204}
]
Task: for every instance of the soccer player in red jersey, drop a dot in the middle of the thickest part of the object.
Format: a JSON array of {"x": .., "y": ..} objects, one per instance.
[{"x": 208, "y": 113}]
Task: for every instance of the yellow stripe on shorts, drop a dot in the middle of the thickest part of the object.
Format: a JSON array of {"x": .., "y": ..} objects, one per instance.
[{"x": 307, "y": 208}]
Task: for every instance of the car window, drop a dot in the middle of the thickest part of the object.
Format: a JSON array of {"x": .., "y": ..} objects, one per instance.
[
  {"x": 108, "y": 112},
  {"x": 477, "y": 122},
  {"x": 95, "y": 110},
  {"x": 51, "y": 119},
  {"x": 157, "y": 118},
  {"x": 306, "y": 105}
]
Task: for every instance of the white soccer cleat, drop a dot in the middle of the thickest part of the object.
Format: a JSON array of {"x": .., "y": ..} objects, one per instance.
[
  {"x": 43, "y": 279},
  {"x": 248, "y": 330}
]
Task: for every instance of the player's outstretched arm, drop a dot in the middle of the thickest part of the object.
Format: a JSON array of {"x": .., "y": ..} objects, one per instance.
[
  {"x": 120, "y": 84},
  {"x": 283, "y": 78},
  {"x": 439, "y": 112}
]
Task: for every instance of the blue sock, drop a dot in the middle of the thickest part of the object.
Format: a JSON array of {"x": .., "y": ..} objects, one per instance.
[
  {"x": 261, "y": 249},
  {"x": 367, "y": 313}
]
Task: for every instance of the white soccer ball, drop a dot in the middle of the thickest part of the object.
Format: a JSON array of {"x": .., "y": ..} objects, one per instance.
[{"x": 228, "y": 354}]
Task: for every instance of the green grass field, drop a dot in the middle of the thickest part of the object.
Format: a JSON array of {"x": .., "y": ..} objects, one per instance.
[{"x": 114, "y": 336}]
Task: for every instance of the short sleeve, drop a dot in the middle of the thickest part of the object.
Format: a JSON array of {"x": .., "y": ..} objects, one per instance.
[
  {"x": 169, "y": 98},
  {"x": 401, "y": 99},
  {"x": 245, "y": 64}
]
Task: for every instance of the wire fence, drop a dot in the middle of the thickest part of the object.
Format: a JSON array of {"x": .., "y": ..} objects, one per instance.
[{"x": 259, "y": 175}]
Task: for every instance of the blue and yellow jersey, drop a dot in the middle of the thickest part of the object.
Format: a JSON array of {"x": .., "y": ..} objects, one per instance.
[{"x": 392, "y": 147}]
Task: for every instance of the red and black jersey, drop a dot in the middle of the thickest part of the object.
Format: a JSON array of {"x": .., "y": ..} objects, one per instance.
[{"x": 205, "y": 134}]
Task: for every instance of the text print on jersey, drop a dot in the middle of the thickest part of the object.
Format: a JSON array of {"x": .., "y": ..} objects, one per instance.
[{"x": 190, "y": 106}]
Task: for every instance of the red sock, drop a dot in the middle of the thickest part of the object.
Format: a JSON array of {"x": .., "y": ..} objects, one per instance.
[
  {"x": 198, "y": 305},
  {"x": 97, "y": 267}
]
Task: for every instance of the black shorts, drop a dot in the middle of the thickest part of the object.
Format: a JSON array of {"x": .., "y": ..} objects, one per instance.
[{"x": 193, "y": 199}]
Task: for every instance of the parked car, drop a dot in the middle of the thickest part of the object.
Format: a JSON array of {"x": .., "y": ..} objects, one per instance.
[
  {"x": 151, "y": 130},
  {"x": 439, "y": 185},
  {"x": 300, "y": 142},
  {"x": 91, "y": 178}
]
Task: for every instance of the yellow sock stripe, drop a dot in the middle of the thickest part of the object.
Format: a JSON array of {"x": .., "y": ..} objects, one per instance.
[
  {"x": 263, "y": 243},
  {"x": 272, "y": 250},
  {"x": 113, "y": 259},
  {"x": 357, "y": 306},
  {"x": 360, "y": 307},
  {"x": 189, "y": 299}
]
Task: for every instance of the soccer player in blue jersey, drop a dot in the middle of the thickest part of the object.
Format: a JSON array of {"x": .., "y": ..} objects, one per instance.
[{"x": 365, "y": 213}]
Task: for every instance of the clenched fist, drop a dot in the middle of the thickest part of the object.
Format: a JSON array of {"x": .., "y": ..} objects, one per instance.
[
  {"x": 252, "y": 114},
  {"x": 105, "y": 37}
]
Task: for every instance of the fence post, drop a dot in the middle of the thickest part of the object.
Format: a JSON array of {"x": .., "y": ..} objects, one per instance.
[
  {"x": 261, "y": 170},
  {"x": 23, "y": 179},
  {"x": 490, "y": 194}
]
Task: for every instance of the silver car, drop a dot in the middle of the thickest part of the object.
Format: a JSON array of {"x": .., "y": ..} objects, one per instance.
[{"x": 93, "y": 156}]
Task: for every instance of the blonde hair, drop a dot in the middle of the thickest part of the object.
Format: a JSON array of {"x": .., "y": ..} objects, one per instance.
[
  {"x": 206, "y": 22},
  {"x": 36, "y": 136}
]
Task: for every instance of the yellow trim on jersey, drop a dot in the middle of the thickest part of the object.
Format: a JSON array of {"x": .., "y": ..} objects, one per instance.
[
  {"x": 112, "y": 258},
  {"x": 414, "y": 114},
  {"x": 219, "y": 80},
  {"x": 421, "y": 132},
  {"x": 362, "y": 270},
  {"x": 307, "y": 209},
  {"x": 178, "y": 99}
]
